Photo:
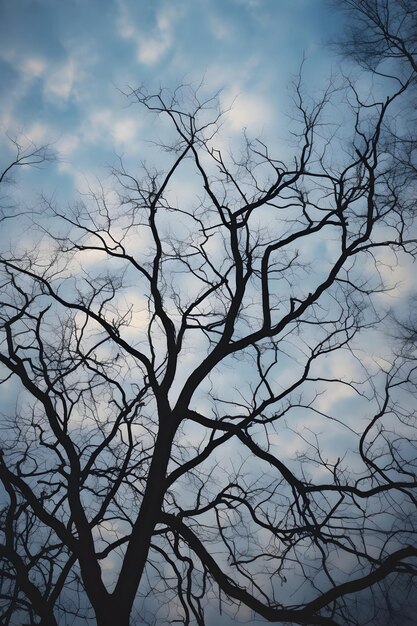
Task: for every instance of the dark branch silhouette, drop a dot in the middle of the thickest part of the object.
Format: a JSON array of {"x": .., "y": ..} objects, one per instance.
[{"x": 191, "y": 422}]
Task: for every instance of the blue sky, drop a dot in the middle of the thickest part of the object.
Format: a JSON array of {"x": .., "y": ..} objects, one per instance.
[{"x": 63, "y": 66}]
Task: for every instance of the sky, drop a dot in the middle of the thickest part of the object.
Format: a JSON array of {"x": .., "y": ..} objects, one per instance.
[{"x": 65, "y": 67}]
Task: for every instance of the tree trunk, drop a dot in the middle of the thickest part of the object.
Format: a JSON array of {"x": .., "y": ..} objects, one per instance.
[
  {"x": 138, "y": 547},
  {"x": 48, "y": 620},
  {"x": 114, "y": 616}
]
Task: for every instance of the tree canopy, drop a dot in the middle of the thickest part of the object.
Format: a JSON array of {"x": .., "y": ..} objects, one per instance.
[{"x": 204, "y": 425}]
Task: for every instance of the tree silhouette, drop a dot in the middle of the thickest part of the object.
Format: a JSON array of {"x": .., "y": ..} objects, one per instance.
[{"x": 193, "y": 424}]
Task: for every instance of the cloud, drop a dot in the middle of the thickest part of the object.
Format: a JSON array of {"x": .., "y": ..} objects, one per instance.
[
  {"x": 397, "y": 272},
  {"x": 151, "y": 49},
  {"x": 67, "y": 145},
  {"x": 59, "y": 80},
  {"x": 152, "y": 41},
  {"x": 33, "y": 67},
  {"x": 249, "y": 110},
  {"x": 38, "y": 133},
  {"x": 220, "y": 28},
  {"x": 125, "y": 27},
  {"x": 105, "y": 124},
  {"x": 27, "y": 69}
]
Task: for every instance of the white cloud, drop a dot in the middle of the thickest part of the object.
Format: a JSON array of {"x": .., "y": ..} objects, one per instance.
[
  {"x": 152, "y": 43},
  {"x": 28, "y": 68},
  {"x": 33, "y": 67},
  {"x": 38, "y": 133},
  {"x": 397, "y": 272},
  {"x": 59, "y": 81},
  {"x": 125, "y": 27},
  {"x": 150, "y": 50},
  {"x": 57, "y": 78},
  {"x": 67, "y": 145},
  {"x": 220, "y": 28},
  {"x": 249, "y": 110},
  {"x": 140, "y": 317},
  {"x": 105, "y": 124},
  {"x": 338, "y": 366},
  {"x": 125, "y": 130}
]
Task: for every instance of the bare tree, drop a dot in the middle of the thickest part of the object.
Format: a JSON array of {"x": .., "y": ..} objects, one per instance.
[
  {"x": 198, "y": 427},
  {"x": 26, "y": 154},
  {"x": 382, "y": 35}
]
